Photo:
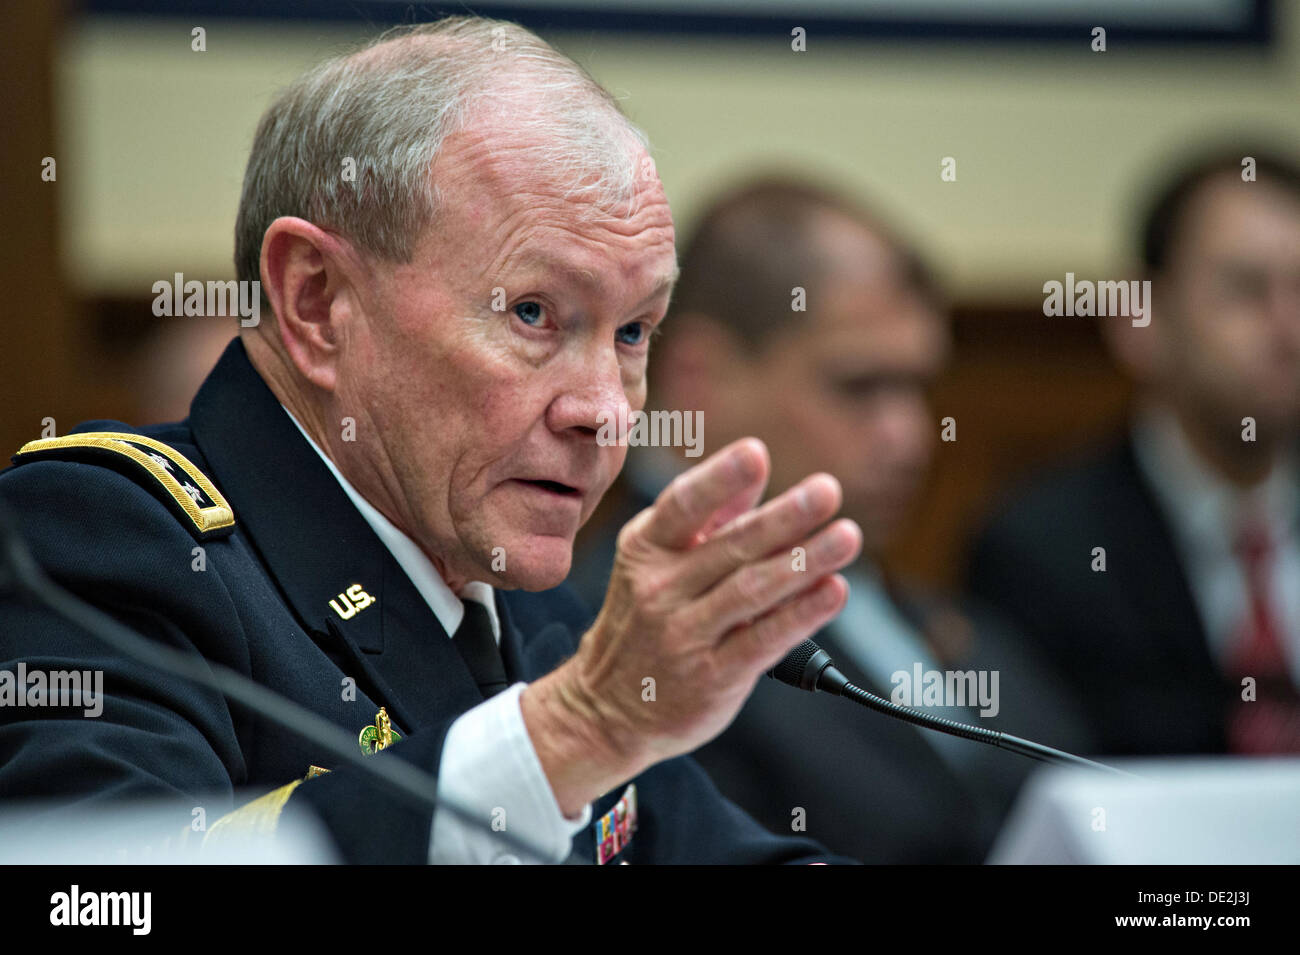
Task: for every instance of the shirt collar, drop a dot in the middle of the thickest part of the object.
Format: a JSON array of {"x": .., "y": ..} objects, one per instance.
[
  {"x": 1205, "y": 509},
  {"x": 446, "y": 606}
]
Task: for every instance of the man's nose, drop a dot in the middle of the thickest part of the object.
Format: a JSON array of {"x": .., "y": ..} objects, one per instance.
[{"x": 593, "y": 398}]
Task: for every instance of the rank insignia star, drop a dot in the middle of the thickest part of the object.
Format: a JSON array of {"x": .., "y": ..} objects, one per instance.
[
  {"x": 380, "y": 736},
  {"x": 166, "y": 472}
]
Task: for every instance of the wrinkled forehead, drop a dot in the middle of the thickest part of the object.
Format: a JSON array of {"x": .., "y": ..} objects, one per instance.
[
  {"x": 502, "y": 197},
  {"x": 520, "y": 151}
]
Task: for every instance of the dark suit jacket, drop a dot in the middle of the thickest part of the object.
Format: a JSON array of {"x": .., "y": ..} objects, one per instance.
[
  {"x": 262, "y": 607},
  {"x": 1128, "y": 641}
]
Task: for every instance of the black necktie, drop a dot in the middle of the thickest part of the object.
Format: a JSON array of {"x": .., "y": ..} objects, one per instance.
[{"x": 478, "y": 647}]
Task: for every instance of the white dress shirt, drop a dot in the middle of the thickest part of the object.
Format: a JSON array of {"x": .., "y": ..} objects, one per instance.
[
  {"x": 489, "y": 765},
  {"x": 1204, "y": 512}
]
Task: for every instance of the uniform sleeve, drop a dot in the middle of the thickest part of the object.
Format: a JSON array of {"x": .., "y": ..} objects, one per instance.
[
  {"x": 106, "y": 539},
  {"x": 155, "y": 736}
]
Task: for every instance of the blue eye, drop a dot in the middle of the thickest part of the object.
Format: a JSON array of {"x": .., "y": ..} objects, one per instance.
[
  {"x": 530, "y": 313},
  {"x": 634, "y": 332}
]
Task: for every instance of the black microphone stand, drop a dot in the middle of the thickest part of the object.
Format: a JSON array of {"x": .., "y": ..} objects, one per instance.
[{"x": 809, "y": 667}]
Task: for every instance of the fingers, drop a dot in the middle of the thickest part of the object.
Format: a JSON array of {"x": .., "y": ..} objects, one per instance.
[
  {"x": 779, "y": 524},
  {"x": 762, "y": 644},
  {"x": 739, "y": 505},
  {"x": 734, "y": 475},
  {"x": 754, "y": 589}
]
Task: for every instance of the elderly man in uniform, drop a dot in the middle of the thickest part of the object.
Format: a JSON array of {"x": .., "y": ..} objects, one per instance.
[{"x": 466, "y": 250}]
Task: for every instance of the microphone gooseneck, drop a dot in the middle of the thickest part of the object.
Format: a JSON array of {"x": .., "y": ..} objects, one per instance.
[{"x": 809, "y": 667}]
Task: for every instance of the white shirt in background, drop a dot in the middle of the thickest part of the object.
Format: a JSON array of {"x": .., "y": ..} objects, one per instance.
[{"x": 1204, "y": 512}]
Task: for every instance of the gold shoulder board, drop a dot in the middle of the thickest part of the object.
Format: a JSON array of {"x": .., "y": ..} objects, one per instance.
[{"x": 175, "y": 480}]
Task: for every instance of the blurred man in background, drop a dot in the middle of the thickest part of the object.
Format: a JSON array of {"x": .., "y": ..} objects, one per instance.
[
  {"x": 171, "y": 363},
  {"x": 801, "y": 319},
  {"x": 1162, "y": 577}
]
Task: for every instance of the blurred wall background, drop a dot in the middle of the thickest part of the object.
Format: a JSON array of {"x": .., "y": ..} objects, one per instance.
[{"x": 1053, "y": 143}]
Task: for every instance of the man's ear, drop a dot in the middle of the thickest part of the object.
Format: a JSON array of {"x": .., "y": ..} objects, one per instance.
[{"x": 306, "y": 280}]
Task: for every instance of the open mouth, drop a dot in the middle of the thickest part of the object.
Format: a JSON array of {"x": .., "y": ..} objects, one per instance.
[{"x": 555, "y": 487}]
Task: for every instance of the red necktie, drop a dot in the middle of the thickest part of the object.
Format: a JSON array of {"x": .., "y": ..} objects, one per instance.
[{"x": 1271, "y": 722}]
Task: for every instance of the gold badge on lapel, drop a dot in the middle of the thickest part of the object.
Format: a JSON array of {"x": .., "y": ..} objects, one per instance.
[
  {"x": 355, "y": 599},
  {"x": 379, "y": 736}
]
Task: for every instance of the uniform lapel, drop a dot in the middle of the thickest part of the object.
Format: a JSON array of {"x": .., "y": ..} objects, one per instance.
[{"x": 338, "y": 577}]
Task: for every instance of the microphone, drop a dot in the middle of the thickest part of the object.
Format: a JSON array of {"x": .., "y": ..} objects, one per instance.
[
  {"x": 20, "y": 572},
  {"x": 809, "y": 667}
]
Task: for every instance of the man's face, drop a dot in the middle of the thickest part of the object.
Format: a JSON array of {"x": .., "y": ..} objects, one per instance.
[
  {"x": 844, "y": 389},
  {"x": 487, "y": 364},
  {"x": 1230, "y": 345}
]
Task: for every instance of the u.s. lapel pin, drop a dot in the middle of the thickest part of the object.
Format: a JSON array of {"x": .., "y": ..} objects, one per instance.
[{"x": 380, "y": 736}]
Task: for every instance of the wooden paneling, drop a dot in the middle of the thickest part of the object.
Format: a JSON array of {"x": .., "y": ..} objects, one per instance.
[
  {"x": 39, "y": 339},
  {"x": 1025, "y": 390}
]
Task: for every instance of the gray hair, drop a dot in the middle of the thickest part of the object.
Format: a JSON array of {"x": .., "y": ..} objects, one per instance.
[{"x": 387, "y": 109}]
